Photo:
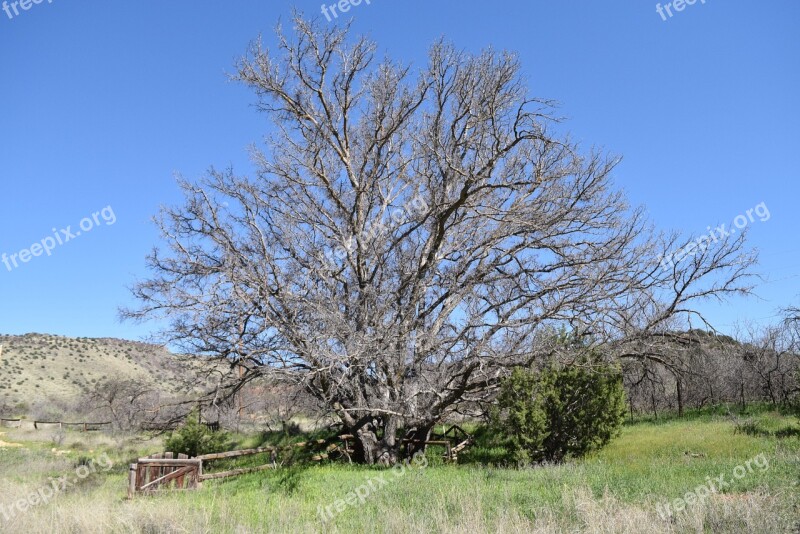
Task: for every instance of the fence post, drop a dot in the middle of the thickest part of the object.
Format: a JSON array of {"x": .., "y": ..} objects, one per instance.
[{"x": 132, "y": 481}]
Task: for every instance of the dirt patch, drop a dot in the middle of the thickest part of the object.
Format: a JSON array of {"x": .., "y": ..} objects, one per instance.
[{"x": 7, "y": 444}]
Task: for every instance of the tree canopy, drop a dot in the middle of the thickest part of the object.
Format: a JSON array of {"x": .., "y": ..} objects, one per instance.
[{"x": 408, "y": 236}]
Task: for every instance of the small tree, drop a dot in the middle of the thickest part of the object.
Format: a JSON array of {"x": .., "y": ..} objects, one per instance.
[
  {"x": 194, "y": 439},
  {"x": 560, "y": 412},
  {"x": 129, "y": 402}
]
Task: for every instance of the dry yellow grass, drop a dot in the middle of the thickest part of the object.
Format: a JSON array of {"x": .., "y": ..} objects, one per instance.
[{"x": 101, "y": 512}]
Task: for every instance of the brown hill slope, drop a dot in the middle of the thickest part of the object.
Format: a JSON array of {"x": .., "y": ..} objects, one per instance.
[{"x": 40, "y": 367}]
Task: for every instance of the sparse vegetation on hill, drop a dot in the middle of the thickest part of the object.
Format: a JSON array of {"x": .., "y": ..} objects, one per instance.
[
  {"x": 49, "y": 376},
  {"x": 136, "y": 386}
]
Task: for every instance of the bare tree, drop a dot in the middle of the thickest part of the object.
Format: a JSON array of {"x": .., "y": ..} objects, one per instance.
[
  {"x": 699, "y": 368},
  {"x": 771, "y": 358},
  {"x": 130, "y": 403},
  {"x": 407, "y": 235}
]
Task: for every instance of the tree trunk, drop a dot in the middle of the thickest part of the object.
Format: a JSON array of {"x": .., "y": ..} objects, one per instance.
[
  {"x": 366, "y": 446},
  {"x": 679, "y": 386},
  {"x": 371, "y": 448},
  {"x": 389, "y": 446},
  {"x": 741, "y": 393}
]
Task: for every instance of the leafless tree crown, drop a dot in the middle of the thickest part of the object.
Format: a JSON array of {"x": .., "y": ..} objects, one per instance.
[{"x": 409, "y": 234}]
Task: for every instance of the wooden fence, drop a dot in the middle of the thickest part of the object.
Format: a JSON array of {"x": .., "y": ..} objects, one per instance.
[
  {"x": 457, "y": 434},
  {"x": 164, "y": 472},
  {"x": 236, "y": 454},
  {"x": 446, "y": 439},
  {"x": 42, "y": 425}
]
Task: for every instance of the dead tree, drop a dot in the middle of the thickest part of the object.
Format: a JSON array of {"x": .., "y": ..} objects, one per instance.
[{"x": 406, "y": 236}]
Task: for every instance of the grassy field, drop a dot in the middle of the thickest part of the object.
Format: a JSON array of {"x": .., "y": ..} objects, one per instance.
[{"x": 615, "y": 490}]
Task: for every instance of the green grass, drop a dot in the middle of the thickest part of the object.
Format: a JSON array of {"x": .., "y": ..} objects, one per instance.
[{"x": 613, "y": 490}]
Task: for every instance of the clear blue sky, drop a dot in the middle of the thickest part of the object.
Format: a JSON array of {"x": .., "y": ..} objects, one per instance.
[{"x": 103, "y": 101}]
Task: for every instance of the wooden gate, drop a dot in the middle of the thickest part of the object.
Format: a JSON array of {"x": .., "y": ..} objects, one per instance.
[{"x": 163, "y": 472}]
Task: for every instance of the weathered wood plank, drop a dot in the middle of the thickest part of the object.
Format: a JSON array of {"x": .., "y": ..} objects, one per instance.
[
  {"x": 132, "y": 481},
  {"x": 155, "y": 470},
  {"x": 180, "y": 482},
  {"x": 234, "y": 454},
  {"x": 236, "y": 472},
  {"x": 167, "y": 470},
  {"x": 148, "y": 462},
  {"x": 141, "y": 473},
  {"x": 164, "y": 480}
]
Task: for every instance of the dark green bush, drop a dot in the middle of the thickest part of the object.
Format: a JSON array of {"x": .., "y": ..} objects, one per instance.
[
  {"x": 195, "y": 439},
  {"x": 560, "y": 412}
]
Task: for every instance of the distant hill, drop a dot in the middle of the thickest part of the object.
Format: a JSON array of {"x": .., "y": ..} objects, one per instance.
[{"x": 41, "y": 367}]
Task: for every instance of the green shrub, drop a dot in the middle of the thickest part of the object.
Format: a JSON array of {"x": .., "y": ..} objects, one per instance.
[
  {"x": 559, "y": 413},
  {"x": 195, "y": 439},
  {"x": 750, "y": 428}
]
